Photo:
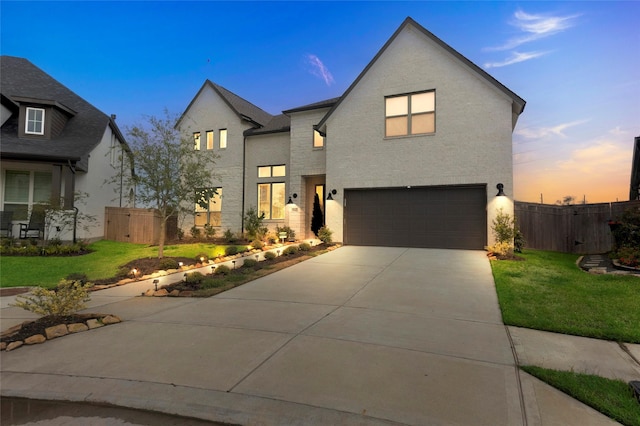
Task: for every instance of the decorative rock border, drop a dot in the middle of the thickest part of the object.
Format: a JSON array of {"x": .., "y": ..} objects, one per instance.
[{"x": 55, "y": 331}]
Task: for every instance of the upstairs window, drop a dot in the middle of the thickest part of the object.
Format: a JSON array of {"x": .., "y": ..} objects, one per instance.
[
  {"x": 318, "y": 139},
  {"x": 35, "y": 121},
  {"x": 196, "y": 141},
  {"x": 411, "y": 114},
  {"x": 272, "y": 171},
  {"x": 209, "y": 139},
  {"x": 223, "y": 138}
]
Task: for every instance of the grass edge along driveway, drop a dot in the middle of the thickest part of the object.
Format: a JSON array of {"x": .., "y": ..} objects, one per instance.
[{"x": 103, "y": 262}]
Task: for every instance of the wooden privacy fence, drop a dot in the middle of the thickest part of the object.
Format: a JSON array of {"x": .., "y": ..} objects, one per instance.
[
  {"x": 141, "y": 226},
  {"x": 583, "y": 228}
]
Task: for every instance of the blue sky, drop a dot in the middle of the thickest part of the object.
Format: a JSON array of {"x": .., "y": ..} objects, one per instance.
[{"x": 577, "y": 64}]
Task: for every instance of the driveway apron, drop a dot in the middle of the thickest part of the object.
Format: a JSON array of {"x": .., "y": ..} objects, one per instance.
[{"x": 360, "y": 335}]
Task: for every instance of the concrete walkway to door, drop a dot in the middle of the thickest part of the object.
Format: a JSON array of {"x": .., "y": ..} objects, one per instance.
[{"x": 360, "y": 335}]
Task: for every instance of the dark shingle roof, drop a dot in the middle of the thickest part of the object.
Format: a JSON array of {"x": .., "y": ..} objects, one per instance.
[
  {"x": 279, "y": 123},
  {"x": 316, "y": 105},
  {"x": 20, "y": 79}
]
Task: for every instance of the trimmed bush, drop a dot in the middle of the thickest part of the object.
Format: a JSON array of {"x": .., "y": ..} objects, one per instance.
[
  {"x": 209, "y": 231},
  {"x": 194, "y": 278},
  {"x": 231, "y": 250},
  {"x": 304, "y": 247},
  {"x": 257, "y": 244},
  {"x": 77, "y": 276},
  {"x": 269, "y": 255},
  {"x": 229, "y": 237},
  {"x": 195, "y": 232},
  {"x": 208, "y": 283},
  {"x": 222, "y": 269},
  {"x": 168, "y": 264},
  {"x": 290, "y": 250},
  {"x": 250, "y": 263},
  {"x": 202, "y": 258}
]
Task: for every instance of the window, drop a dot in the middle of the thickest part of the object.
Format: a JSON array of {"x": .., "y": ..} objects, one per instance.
[
  {"x": 22, "y": 189},
  {"x": 209, "y": 139},
  {"x": 272, "y": 171},
  {"x": 223, "y": 138},
  {"x": 35, "y": 121},
  {"x": 412, "y": 114},
  {"x": 196, "y": 141},
  {"x": 271, "y": 200},
  {"x": 318, "y": 139},
  {"x": 209, "y": 210}
]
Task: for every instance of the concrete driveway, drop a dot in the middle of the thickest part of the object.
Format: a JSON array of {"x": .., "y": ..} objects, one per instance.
[{"x": 360, "y": 335}]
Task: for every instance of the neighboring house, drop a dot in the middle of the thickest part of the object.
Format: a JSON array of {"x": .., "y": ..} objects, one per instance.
[
  {"x": 634, "y": 191},
  {"x": 54, "y": 145},
  {"x": 410, "y": 155}
]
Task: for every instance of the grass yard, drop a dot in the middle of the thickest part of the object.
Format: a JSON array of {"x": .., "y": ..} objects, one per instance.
[
  {"x": 613, "y": 398},
  {"x": 19, "y": 271},
  {"x": 548, "y": 291}
]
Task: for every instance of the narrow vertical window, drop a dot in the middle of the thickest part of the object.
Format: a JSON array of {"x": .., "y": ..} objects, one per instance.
[
  {"x": 209, "y": 139},
  {"x": 318, "y": 139},
  {"x": 35, "y": 121},
  {"x": 223, "y": 138},
  {"x": 196, "y": 141}
]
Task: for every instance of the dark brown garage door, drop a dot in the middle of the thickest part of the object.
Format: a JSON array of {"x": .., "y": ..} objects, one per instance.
[{"x": 435, "y": 217}]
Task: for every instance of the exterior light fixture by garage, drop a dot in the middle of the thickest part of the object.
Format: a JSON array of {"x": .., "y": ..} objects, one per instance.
[
  {"x": 500, "y": 188},
  {"x": 333, "y": 192},
  {"x": 294, "y": 195}
]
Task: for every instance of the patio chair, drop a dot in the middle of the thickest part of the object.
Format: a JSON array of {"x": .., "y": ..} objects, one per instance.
[
  {"x": 36, "y": 224},
  {"x": 6, "y": 226}
]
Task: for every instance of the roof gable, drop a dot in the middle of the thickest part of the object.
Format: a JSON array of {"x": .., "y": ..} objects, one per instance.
[
  {"x": 21, "y": 82},
  {"x": 518, "y": 103},
  {"x": 241, "y": 107}
]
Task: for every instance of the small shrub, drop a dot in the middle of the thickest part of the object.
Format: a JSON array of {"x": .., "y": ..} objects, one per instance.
[
  {"x": 194, "y": 278},
  {"x": 503, "y": 249},
  {"x": 222, "y": 269},
  {"x": 324, "y": 235},
  {"x": 503, "y": 227},
  {"x": 54, "y": 242},
  {"x": 304, "y": 247},
  {"x": 195, "y": 232},
  {"x": 518, "y": 240},
  {"x": 229, "y": 237},
  {"x": 253, "y": 224},
  {"x": 66, "y": 299},
  {"x": 257, "y": 244},
  {"x": 628, "y": 256},
  {"x": 231, "y": 250},
  {"x": 271, "y": 238},
  {"x": 202, "y": 258},
  {"x": 269, "y": 255},
  {"x": 290, "y": 250},
  {"x": 209, "y": 232},
  {"x": 123, "y": 272},
  {"x": 250, "y": 263},
  {"x": 208, "y": 283},
  {"x": 291, "y": 234},
  {"x": 180, "y": 234},
  {"x": 168, "y": 263}
]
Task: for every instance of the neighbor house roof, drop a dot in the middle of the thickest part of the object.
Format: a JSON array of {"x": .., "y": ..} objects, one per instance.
[
  {"x": 518, "y": 103},
  {"x": 21, "y": 81},
  {"x": 243, "y": 108}
]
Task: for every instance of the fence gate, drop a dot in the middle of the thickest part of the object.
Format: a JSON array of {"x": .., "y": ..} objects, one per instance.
[{"x": 140, "y": 226}]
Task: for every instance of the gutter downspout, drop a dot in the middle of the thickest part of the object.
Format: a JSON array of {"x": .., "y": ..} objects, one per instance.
[{"x": 244, "y": 167}]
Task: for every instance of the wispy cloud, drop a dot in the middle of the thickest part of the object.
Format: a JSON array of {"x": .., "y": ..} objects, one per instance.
[
  {"x": 535, "y": 27},
  {"x": 319, "y": 69},
  {"x": 514, "y": 59},
  {"x": 543, "y": 132},
  {"x": 531, "y": 27}
]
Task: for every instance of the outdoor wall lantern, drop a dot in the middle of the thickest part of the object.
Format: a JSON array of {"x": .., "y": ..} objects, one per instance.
[
  {"x": 294, "y": 195},
  {"x": 333, "y": 192},
  {"x": 155, "y": 282},
  {"x": 500, "y": 188}
]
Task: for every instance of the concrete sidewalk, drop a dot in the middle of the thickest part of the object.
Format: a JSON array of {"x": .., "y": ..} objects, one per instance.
[{"x": 360, "y": 335}]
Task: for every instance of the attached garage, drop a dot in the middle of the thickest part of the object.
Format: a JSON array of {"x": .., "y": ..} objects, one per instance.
[{"x": 453, "y": 217}]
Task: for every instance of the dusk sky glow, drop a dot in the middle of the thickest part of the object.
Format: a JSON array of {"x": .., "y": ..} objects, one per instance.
[{"x": 576, "y": 63}]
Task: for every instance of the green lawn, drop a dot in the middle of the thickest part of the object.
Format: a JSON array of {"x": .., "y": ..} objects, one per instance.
[
  {"x": 547, "y": 291},
  {"x": 18, "y": 271},
  {"x": 611, "y": 397}
]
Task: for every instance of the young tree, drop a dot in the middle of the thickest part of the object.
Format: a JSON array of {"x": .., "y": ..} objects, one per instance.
[
  {"x": 170, "y": 175},
  {"x": 317, "y": 218}
]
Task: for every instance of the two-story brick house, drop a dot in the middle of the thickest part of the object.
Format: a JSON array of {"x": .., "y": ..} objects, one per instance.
[{"x": 410, "y": 155}]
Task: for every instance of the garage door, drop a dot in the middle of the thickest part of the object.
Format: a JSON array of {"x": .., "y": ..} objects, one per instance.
[{"x": 435, "y": 217}]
